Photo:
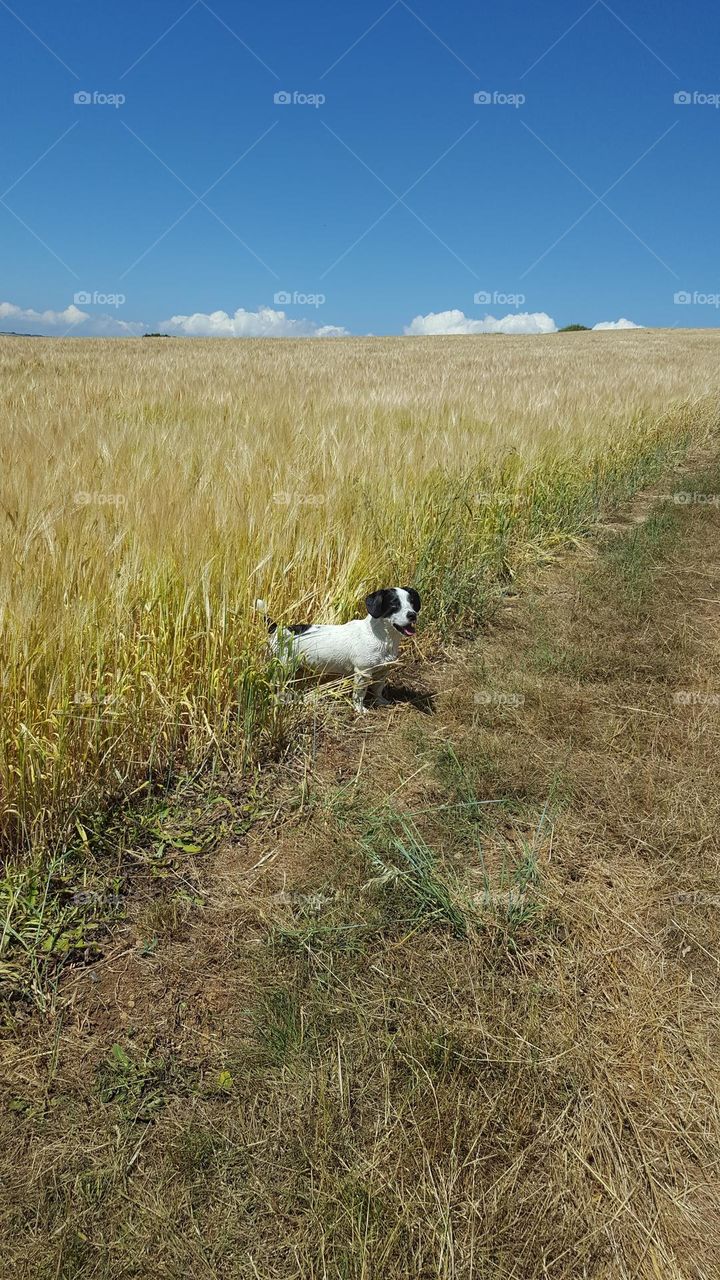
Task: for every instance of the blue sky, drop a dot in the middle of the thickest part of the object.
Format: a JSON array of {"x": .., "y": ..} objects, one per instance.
[{"x": 581, "y": 191}]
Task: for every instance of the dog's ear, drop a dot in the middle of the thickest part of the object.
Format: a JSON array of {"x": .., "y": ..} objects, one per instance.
[
  {"x": 414, "y": 598},
  {"x": 375, "y": 604}
]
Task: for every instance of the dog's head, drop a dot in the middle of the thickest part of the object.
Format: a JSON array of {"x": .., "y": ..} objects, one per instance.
[{"x": 399, "y": 606}]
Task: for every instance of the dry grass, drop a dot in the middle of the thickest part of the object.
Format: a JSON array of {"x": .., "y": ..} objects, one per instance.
[
  {"x": 149, "y": 490},
  {"x": 449, "y": 1007}
]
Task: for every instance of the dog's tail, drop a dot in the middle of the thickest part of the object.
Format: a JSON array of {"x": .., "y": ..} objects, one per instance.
[{"x": 261, "y": 607}]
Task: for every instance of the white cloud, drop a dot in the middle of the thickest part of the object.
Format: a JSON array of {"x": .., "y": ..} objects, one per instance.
[
  {"x": 106, "y": 326},
  {"x": 436, "y": 322},
  {"x": 264, "y": 323},
  {"x": 269, "y": 323},
  {"x": 99, "y": 325},
  {"x": 617, "y": 324},
  {"x": 72, "y": 315}
]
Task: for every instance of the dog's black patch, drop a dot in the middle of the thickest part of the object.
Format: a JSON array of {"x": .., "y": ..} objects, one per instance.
[
  {"x": 382, "y": 603},
  {"x": 297, "y": 628},
  {"x": 414, "y": 598}
]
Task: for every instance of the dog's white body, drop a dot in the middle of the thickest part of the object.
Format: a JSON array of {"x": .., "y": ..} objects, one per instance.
[
  {"x": 366, "y": 644},
  {"x": 364, "y": 648}
]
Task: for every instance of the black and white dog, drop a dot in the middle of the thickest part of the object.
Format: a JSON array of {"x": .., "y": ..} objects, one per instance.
[{"x": 364, "y": 648}]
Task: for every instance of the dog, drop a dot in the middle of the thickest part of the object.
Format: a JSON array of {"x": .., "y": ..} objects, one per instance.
[{"x": 364, "y": 648}]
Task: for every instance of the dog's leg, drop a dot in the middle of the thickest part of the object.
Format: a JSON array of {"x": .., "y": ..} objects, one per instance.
[
  {"x": 376, "y": 692},
  {"x": 360, "y": 686}
]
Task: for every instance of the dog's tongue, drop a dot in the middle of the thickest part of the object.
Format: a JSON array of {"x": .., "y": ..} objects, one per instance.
[{"x": 409, "y": 630}]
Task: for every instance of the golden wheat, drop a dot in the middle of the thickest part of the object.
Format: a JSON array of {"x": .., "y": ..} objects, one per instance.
[{"x": 151, "y": 489}]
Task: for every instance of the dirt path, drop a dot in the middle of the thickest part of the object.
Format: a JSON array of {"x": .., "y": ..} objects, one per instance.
[{"x": 441, "y": 1003}]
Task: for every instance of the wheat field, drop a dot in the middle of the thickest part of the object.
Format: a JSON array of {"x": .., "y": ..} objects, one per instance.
[{"x": 150, "y": 490}]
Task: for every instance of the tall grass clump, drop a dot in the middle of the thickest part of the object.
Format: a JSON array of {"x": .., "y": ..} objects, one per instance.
[{"x": 149, "y": 493}]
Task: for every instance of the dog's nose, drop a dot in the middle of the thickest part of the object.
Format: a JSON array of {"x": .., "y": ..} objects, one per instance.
[{"x": 411, "y": 615}]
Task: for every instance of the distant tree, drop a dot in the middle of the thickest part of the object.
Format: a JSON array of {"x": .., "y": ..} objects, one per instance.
[
  {"x": 156, "y": 335},
  {"x": 574, "y": 328}
]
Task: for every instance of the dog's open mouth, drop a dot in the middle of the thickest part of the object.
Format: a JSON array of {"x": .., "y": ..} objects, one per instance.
[{"x": 407, "y": 630}]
